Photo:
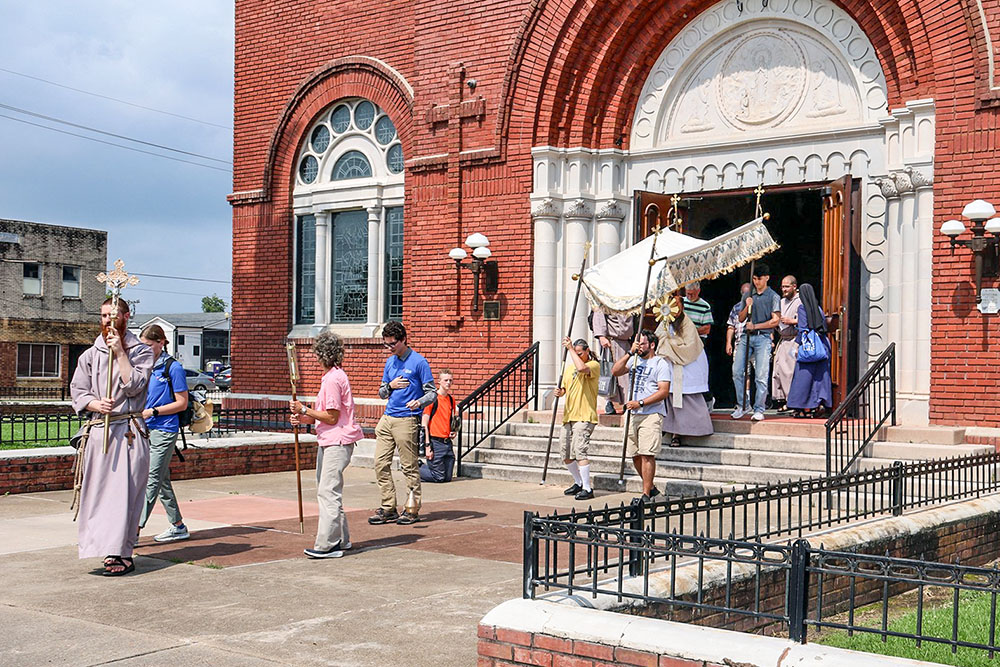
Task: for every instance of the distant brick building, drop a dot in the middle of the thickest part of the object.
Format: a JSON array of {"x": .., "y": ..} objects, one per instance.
[
  {"x": 370, "y": 138},
  {"x": 49, "y": 300}
]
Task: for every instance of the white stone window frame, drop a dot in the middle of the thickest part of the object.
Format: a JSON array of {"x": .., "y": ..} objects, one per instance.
[{"x": 325, "y": 197}]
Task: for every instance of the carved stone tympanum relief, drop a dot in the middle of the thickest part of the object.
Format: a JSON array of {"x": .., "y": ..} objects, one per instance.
[{"x": 762, "y": 80}]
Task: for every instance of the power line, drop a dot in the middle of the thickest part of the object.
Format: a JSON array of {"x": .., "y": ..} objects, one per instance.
[
  {"x": 111, "y": 143},
  {"x": 114, "y": 99},
  {"x": 108, "y": 134},
  {"x": 198, "y": 280},
  {"x": 160, "y": 291}
]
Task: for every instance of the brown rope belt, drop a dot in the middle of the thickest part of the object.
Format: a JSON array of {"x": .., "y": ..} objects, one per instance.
[{"x": 137, "y": 422}]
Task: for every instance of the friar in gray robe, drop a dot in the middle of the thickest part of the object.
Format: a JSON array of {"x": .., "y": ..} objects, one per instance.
[{"x": 113, "y": 487}]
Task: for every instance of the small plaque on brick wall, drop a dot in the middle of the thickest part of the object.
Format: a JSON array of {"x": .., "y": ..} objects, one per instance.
[
  {"x": 491, "y": 310},
  {"x": 989, "y": 301}
]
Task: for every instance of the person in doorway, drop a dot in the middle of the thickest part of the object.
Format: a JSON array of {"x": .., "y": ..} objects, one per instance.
[
  {"x": 761, "y": 312},
  {"x": 736, "y": 347},
  {"x": 112, "y": 492},
  {"x": 614, "y": 333},
  {"x": 687, "y": 410},
  {"x": 651, "y": 377},
  {"x": 811, "y": 391},
  {"x": 166, "y": 399},
  {"x": 336, "y": 432},
  {"x": 438, "y": 433},
  {"x": 579, "y": 386},
  {"x": 784, "y": 354},
  {"x": 408, "y": 384},
  {"x": 700, "y": 312}
]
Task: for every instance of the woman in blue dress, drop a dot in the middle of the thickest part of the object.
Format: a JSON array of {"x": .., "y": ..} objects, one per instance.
[{"x": 811, "y": 393}]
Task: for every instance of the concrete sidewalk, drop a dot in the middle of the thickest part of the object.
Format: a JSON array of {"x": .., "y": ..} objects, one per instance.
[{"x": 240, "y": 592}]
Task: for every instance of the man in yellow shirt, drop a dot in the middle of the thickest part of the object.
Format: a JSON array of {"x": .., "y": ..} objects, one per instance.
[{"x": 579, "y": 386}]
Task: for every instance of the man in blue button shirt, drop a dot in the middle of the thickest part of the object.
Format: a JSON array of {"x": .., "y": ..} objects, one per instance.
[{"x": 408, "y": 384}]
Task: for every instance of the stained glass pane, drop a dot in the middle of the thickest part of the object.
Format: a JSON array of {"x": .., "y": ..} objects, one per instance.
[
  {"x": 308, "y": 169},
  {"x": 349, "y": 267},
  {"x": 394, "y": 263},
  {"x": 364, "y": 114},
  {"x": 320, "y": 139},
  {"x": 352, "y": 164},
  {"x": 385, "y": 131},
  {"x": 340, "y": 119},
  {"x": 394, "y": 159},
  {"x": 305, "y": 270}
]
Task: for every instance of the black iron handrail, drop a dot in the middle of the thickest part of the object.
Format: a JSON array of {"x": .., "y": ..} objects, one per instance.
[
  {"x": 862, "y": 413},
  {"x": 495, "y": 401},
  {"x": 799, "y": 507},
  {"x": 61, "y": 393}
]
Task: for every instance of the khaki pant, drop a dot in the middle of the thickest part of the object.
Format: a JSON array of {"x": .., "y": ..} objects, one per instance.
[
  {"x": 390, "y": 434},
  {"x": 575, "y": 441},
  {"x": 331, "y": 528},
  {"x": 644, "y": 435}
]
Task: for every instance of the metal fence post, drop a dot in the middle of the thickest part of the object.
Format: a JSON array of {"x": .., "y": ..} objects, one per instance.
[
  {"x": 461, "y": 437},
  {"x": 635, "y": 524},
  {"x": 798, "y": 592},
  {"x": 529, "y": 557},
  {"x": 896, "y": 487}
]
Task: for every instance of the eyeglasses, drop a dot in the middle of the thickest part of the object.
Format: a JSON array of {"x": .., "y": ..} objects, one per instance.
[{"x": 391, "y": 345}]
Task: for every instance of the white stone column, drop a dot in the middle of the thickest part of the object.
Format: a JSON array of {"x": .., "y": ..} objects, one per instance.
[
  {"x": 322, "y": 269},
  {"x": 608, "y": 236},
  {"x": 906, "y": 356},
  {"x": 544, "y": 285},
  {"x": 579, "y": 217},
  {"x": 375, "y": 295}
]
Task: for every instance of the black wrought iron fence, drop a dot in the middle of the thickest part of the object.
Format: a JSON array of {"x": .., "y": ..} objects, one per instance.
[
  {"x": 798, "y": 507},
  {"x": 235, "y": 420},
  {"x": 863, "y": 412},
  {"x": 781, "y": 587},
  {"x": 32, "y": 430},
  {"x": 497, "y": 400},
  {"x": 58, "y": 393}
]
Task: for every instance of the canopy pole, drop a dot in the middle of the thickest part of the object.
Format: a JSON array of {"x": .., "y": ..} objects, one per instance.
[
  {"x": 635, "y": 361},
  {"x": 572, "y": 318}
]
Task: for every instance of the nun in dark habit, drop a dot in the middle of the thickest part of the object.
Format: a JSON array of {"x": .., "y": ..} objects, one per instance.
[{"x": 811, "y": 393}]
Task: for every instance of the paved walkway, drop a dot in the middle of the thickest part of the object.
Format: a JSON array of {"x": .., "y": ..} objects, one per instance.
[{"x": 240, "y": 592}]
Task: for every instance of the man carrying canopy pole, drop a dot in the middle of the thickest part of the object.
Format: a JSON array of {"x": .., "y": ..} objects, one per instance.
[{"x": 559, "y": 386}]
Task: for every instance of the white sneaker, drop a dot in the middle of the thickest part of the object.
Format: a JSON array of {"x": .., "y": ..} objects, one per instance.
[
  {"x": 173, "y": 534},
  {"x": 737, "y": 413},
  {"x": 711, "y": 404},
  {"x": 758, "y": 416}
]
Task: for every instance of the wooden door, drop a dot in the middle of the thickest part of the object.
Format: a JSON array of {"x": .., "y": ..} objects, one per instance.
[
  {"x": 650, "y": 208},
  {"x": 840, "y": 253}
]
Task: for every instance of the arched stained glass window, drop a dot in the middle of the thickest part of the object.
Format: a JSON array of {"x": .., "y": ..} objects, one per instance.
[
  {"x": 364, "y": 114},
  {"x": 320, "y": 138},
  {"x": 394, "y": 159},
  {"x": 352, "y": 164}
]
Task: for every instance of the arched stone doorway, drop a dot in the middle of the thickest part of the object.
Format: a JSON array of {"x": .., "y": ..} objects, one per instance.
[{"x": 787, "y": 95}]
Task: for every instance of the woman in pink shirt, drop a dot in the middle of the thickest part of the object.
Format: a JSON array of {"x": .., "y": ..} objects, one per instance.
[{"x": 336, "y": 433}]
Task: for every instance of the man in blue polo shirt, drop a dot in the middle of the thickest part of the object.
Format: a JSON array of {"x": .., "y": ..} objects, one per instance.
[{"x": 408, "y": 384}]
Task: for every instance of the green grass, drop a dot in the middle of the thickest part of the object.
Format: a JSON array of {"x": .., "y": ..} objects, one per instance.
[
  {"x": 973, "y": 626},
  {"x": 27, "y": 436}
]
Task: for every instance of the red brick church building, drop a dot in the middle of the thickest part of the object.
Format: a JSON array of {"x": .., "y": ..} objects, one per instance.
[{"x": 373, "y": 137}]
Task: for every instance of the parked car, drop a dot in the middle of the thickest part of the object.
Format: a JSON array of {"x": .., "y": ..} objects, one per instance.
[
  {"x": 199, "y": 381},
  {"x": 224, "y": 378}
]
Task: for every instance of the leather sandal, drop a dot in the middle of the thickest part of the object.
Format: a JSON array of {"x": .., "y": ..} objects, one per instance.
[
  {"x": 127, "y": 565},
  {"x": 675, "y": 441}
]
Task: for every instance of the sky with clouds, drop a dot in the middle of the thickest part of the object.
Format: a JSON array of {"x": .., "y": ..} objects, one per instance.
[{"x": 162, "y": 216}]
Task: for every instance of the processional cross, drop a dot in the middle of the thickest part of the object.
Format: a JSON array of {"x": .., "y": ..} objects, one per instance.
[{"x": 115, "y": 281}]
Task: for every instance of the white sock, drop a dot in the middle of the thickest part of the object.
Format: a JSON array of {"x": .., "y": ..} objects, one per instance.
[
  {"x": 574, "y": 470},
  {"x": 585, "y": 475}
]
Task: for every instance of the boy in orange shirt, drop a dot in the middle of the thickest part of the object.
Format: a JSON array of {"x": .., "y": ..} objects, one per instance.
[{"x": 437, "y": 423}]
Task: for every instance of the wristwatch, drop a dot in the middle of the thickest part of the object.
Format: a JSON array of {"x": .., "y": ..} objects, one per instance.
[
  {"x": 302, "y": 410},
  {"x": 642, "y": 403},
  {"x": 156, "y": 413}
]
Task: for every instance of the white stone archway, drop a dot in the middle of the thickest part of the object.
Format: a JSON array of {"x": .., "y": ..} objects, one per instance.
[{"x": 784, "y": 94}]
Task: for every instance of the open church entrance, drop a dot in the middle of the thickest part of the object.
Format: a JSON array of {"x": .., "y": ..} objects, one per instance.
[{"x": 814, "y": 226}]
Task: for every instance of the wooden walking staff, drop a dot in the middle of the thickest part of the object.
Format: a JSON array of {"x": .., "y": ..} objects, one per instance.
[
  {"x": 115, "y": 281},
  {"x": 572, "y": 319},
  {"x": 293, "y": 377},
  {"x": 635, "y": 358}
]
